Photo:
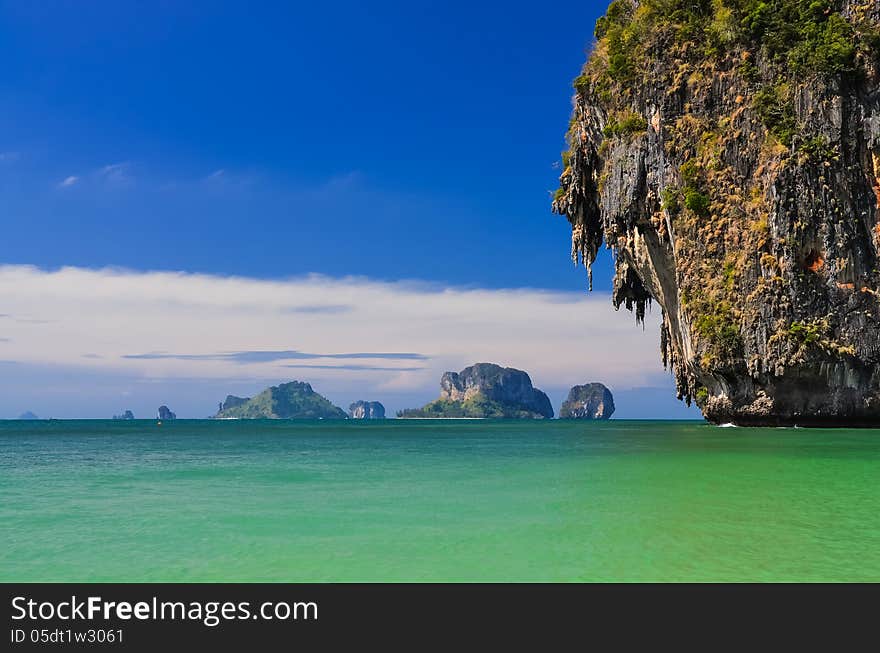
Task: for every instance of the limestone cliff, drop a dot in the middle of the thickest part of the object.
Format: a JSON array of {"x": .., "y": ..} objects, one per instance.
[
  {"x": 590, "y": 401},
  {"x": 486, "y": 390},
  {"x": 728, "y": 152}
]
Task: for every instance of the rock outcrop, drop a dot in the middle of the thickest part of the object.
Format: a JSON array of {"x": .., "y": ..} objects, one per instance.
[
  {"x": 486, "y": 390},
  {"x": 590, "y": 401},
  {"x": 165, "y": 413},
  {"x": 729, "y": 153},
  {"x": 231, "y": 402},
  {"x": 366, "y": 410},
  {"x": 126, "y": 415},
  {"x": 294, "y": 400}
]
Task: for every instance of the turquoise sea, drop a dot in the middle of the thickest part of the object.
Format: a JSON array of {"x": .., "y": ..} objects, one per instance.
[{"x": 425, "y": 500}]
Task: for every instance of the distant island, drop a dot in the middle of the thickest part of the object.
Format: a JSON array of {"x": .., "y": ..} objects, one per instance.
[
  {"x": 165, "y": 413},
  {"x": 486, "y": 390},
  {"x": 590, "y": 401},
  {"x": 28, "y": 415},
  {"x": 366, "y": 410},
  {"x": 126, "y": 415},
  {"x": 294, "y": 400}
]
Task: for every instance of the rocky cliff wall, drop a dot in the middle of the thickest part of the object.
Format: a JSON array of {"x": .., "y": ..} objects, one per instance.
[{"x": 728, "y": 152}]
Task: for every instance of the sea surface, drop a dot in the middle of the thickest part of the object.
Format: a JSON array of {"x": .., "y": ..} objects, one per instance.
[{"x": 436, "y": 500}]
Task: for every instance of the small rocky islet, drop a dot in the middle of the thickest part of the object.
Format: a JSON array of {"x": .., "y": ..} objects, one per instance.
[
  {"x": 589, "y": 401},
  {"x": 366, "y": 410},
  {"x": 165, "y": 413}
]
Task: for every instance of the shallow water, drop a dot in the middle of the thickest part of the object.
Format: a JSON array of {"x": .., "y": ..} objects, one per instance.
[{"x": 411, "y": 500}]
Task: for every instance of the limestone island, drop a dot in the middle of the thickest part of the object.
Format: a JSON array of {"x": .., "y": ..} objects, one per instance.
[
  {"x": 164, "y": 413},
  {"x": 294, "y": 400},
  {"x": 366, "y": 410},
  {"x": 590, "y": 401},
  {"x": 729, "y": 153},
  {"x": 28, "y": 415},
  {"x": 125, "y": 415},
  {"x": 486, "y": 390}
]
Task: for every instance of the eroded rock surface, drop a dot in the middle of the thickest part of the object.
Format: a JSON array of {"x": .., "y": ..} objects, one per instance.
[
  {"x": 366, "y": 410},
  {"x": 729, "y": 153}
]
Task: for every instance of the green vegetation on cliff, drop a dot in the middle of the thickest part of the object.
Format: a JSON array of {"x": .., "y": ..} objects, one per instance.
[
  {"x": 476, "y": 406},
  {"x": 729, "y": 152},
  {"x": 486, "y": 390}
]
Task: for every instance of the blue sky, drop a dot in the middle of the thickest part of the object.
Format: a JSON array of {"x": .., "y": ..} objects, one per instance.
[{"x": 386, "y": 140}]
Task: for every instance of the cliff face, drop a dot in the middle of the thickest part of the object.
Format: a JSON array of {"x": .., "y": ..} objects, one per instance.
[
  {"x": 728, "y": 152},
  {"x": 294, "y": 400},
  {"x": 486, "y": 390},
  {"x": 590, "y": 401},
  {"x": 366, "y": 410}
]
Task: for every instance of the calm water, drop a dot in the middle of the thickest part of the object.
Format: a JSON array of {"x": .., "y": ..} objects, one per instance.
[{"x": 431, "y": 500}]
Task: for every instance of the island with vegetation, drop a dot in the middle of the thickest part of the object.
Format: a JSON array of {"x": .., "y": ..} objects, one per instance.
[
  {"x": 486, "y": 390},
  {"x": 729, "y": 152},
  {"x": 589, "y": 401},
  {"x": 294, "y": 400}
]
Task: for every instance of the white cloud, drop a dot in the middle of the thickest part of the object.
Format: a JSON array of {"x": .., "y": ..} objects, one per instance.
[
  {"x": 189, "y": 324},
  {"x": 116, "y": 173},
  {"x": 68, "y": 181}
]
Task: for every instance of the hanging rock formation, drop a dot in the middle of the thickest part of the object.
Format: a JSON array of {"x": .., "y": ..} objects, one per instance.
[{"x": 728, "y": 151}]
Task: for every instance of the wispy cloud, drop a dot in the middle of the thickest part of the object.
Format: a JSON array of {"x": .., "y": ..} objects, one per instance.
[
  {"x": 271, "y": 356},
  {"x": 116, "y": 173},
  {"x": 319, "y": 309},
  {"x": 358, "y": 368},
  {"x": 67, "y": 182},
  {"x": 9, "y": 157}
]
